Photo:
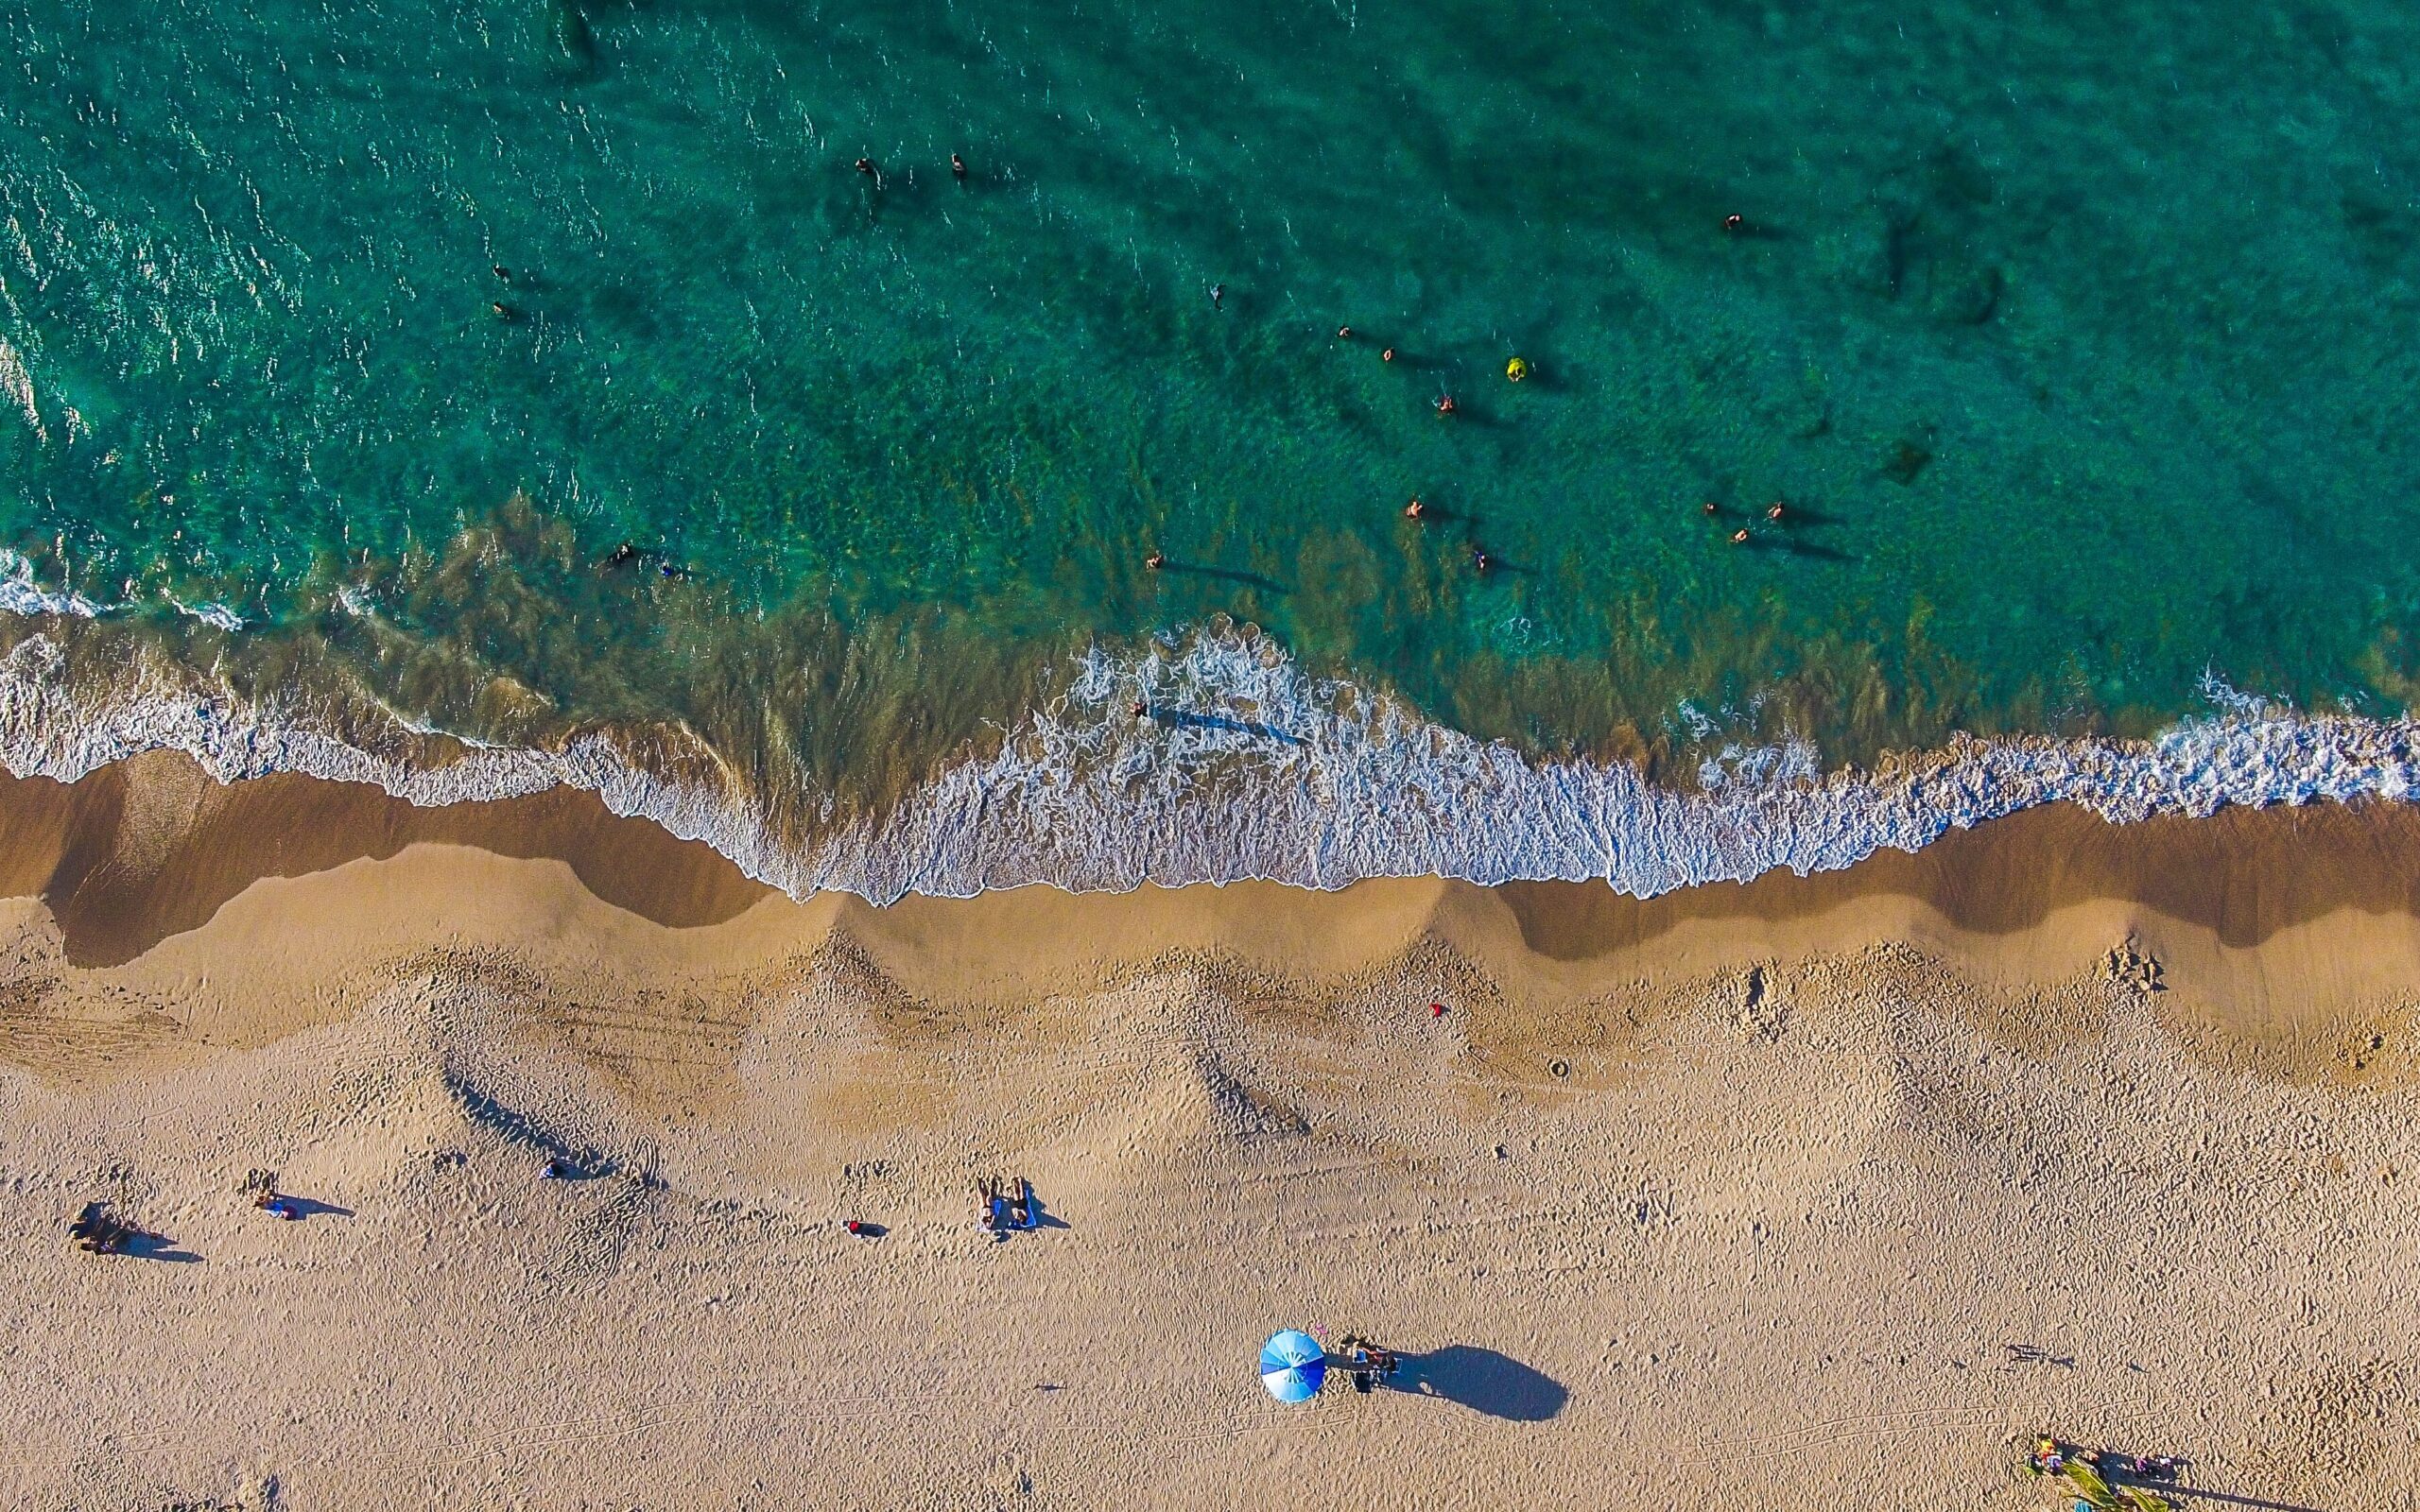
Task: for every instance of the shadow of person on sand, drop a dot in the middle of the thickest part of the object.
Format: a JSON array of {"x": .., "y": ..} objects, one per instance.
[
  {"x": 143, "y": 1244},
  {"x": 300, "y": 1208},
  {"x": 1485, "y": 1382}
]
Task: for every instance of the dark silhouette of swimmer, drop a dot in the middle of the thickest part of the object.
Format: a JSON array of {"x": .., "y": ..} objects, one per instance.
[
  {"x": 1775, "y": 512},
  {"x": 1711, "y": 507},
  {"x": 1445, "y": 403},
  {"x": 1218, "y": 296},
  {"x": 1387, "y": 355},
  {"x": 505, "y": 312},
  {"x": 1735, "y": 223},
  {"x": 1344, "y": 333},
  {"x": 1155, "y": 561},
  {"x": 622, "y": 555},
  {"x": 1740, "y": 537},
  {"x": 958, "y": 168},
  {"x": 1140, "y": 709},
  {"x": 1414, "y": 509},
  {"x": 1480, "y": 561},
  {"x": 502, "y": 272}
]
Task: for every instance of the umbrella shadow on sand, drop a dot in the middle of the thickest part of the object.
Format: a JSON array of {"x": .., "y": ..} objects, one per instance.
[{"x": 1485, "y": 1382}]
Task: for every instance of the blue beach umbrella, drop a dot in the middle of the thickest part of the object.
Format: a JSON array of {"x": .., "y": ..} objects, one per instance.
[{"x": 1292, "y": 1364}]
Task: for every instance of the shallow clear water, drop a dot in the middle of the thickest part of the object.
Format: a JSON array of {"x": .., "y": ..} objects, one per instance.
[{"x": 2077, "y": 342}]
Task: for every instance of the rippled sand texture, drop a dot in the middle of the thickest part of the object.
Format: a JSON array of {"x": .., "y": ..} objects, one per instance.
[{"x": 1796, "y": 1189}]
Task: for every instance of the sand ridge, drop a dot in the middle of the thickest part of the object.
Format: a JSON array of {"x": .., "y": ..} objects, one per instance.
[{"x": 1789, "y": 1192}]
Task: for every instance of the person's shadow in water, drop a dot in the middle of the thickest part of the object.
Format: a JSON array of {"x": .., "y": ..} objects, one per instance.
[{"x": 1485, "y": 1382}]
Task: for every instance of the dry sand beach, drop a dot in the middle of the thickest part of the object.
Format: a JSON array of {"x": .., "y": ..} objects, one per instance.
[{"x": 1814, "y": 1191}]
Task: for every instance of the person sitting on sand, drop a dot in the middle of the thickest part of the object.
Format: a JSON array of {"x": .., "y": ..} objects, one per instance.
[
  {"x": 95, "y": 1232},
  {"x": 1368, "y": 1363}
]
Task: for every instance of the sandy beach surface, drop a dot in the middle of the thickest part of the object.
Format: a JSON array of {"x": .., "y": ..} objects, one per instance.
[{"x": 1816, "y": 1193}]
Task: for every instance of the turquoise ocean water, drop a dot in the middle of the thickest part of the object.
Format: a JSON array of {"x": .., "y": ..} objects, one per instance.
[{"x": 527, "y": 371}]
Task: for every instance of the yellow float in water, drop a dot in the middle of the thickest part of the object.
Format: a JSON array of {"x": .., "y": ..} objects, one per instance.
[{"x": 1517, "y": 368}]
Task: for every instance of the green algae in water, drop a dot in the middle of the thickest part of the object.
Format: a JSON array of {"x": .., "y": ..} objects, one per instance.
[{"x": 2075, "y": 344}]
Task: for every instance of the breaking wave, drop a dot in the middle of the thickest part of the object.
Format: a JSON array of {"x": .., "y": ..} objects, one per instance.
[{"x": 1213, "y": 757}]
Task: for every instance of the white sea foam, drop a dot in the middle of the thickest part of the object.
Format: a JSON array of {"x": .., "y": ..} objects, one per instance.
[
  {"x": 216, "y": 616},
  {"x": 1243, "y": 766},
  {"x": 20, "y": 593},
  {"x": 17, "y": 387}
]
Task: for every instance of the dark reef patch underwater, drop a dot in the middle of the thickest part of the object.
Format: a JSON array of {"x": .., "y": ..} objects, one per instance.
[{"x": 1919, "y": 416}]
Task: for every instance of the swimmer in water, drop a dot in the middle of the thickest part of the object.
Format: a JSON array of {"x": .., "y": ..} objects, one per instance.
[
  {"x": 1480, "y": 561},
  {"x": 505, "y": 312},
  {"x": 1740, "y": 537},
  {"x": 1218, "y": 296},
  {"x": 1446, "y": 405},
  {"x": 1775, "y": 511},
  {"x": 1155, "y": 561},
  {"x": 1735, "y": 224},
  {"x": 502, "y": 272},
  {"x": 1387, "y": 355},
  {"x": 1415, "y": 510},
  {"x": 958, "y": 168},
  {"x": 1344, "y": 333},
  {"x": 865, "y": 166},
  {"x": 1711, "y": 507}
]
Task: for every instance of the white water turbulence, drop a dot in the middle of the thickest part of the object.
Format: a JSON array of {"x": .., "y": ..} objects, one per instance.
[{"x": 1240, "y": 767}]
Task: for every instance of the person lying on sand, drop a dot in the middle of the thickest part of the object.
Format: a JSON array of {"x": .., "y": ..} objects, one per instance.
[{"x": 1021, "y": 1206}]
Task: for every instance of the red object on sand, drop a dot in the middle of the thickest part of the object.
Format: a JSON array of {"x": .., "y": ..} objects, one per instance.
[
  {"x": 854, "y": 1226},
  {"x": 1436, "y": 1010}
]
